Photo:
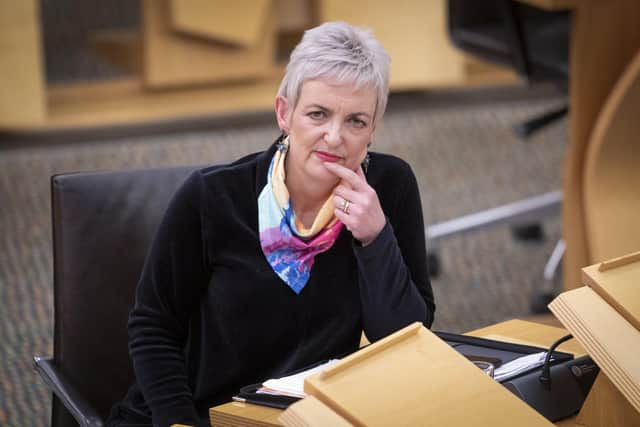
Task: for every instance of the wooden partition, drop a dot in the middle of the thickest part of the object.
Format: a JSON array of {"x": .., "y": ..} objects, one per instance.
[
  {"x": 612, "y": 171},
  {"x": 210, "y": 57},
  {"x": 172, "y": 59},
  {"x": 604, "y": 38},
  {"x": 22, "y": 89},
  {"x": 238, "y": 22}
]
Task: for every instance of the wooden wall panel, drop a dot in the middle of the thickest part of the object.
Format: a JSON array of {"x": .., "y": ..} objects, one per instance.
[
  {"x": 171, "y": 59},
  {"x": 612, "y": 172},
  {"x": 605, "y": 36},
  {"x": 238, "y": 22},
  {"x": 414, "y": 34},
  {"x": 22, "y": 86}
]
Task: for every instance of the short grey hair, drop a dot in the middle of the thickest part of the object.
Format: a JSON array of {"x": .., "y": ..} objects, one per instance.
[{"x": 342, "y": 52}]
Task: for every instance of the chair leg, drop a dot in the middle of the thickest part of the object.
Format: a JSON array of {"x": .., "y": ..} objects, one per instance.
[
  {"x": 525, "y": 129},
  {"x": 541, "y": 299},
  {"x": 522, "y": 211},
  {"x": 529, "y": 232},
  {"x": 433, "y": 264}
]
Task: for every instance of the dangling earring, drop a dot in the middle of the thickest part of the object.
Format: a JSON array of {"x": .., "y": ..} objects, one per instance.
[
  {"x": 365, "y": 162},
  {"x": 281, "y": 143},
  {"x": 367, "y": 159}
]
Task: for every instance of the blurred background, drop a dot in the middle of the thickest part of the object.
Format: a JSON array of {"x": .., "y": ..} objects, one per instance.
[{"x": 139, "y": 84}]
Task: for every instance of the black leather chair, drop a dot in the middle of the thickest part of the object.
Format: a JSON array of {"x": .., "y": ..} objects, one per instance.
[
  {"x": 534, "y": 42},
  {"x": 103, "y": 223}
]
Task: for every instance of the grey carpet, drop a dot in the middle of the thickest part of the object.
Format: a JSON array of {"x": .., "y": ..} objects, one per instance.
[{"x": 458, "y": 142}]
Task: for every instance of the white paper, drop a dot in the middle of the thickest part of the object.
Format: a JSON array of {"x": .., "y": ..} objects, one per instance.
[
  {"x": 519, "y": 365},
  {"x": 294, "y": 384}
]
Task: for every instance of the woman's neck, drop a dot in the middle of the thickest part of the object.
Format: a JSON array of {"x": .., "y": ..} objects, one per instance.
[
  {"x": 307, "y": 200},
  {"x": 307, "y": 204}
]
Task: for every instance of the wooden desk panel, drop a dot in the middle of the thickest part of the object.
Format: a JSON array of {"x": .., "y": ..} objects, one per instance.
[
  {"x": 235, "y": 414},
  {"x": 239, "y": 414}
]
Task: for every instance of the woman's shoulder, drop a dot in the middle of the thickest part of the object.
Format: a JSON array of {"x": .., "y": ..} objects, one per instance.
[
  {"x": 387, "y": 168},
  {"x": 227, "y": 175},
  {"x": 220, "y": 182}
]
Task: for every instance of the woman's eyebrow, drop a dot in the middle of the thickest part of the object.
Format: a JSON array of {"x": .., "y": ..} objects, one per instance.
[
  {"x": 321, "y": 107},
  {"x": 360, "y": 113},
  {"x": 354, "y": 114}
]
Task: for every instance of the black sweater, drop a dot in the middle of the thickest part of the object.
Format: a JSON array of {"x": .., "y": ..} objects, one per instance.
[{"x": 211, "y": 316}]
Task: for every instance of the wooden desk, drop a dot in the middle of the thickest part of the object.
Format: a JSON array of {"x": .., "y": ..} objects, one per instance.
[
  {"x": 605, "y": 36},
  {"x": 236, "y": 414}
]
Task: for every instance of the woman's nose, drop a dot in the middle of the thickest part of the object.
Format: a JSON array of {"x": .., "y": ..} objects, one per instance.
[{"x": 333, "y": 133}]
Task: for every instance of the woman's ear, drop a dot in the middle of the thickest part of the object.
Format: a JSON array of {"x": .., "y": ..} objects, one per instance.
[{"x": 282, "y": 113}]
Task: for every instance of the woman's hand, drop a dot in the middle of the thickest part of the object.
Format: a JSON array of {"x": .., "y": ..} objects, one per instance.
[{"x": 356, "y": 204}]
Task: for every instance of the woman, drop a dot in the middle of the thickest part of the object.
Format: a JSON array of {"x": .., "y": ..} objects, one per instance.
[{"x": 284, "y": 257}]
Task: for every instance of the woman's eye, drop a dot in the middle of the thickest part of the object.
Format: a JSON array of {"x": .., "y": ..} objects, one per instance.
[
  {"x": 317, "y": 114},
  {"x": 358, "y": 123}
]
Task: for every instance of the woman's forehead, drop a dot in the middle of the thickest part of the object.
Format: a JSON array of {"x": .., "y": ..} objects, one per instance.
[{"x": 323, "y": 91}]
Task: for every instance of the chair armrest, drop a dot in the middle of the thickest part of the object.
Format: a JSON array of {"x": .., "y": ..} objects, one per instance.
[{"x": 77, "y": 405}]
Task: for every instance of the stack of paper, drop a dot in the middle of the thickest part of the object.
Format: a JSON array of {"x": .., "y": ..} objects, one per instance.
[
  {"x": 293, "y": 385},
  {"x": 519, "y": 365}
]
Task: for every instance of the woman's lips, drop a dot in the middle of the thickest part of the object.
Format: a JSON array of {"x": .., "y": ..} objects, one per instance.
[{"x": 327, "y": 157}]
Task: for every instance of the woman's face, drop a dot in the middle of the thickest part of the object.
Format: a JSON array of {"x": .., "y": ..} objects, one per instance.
[{"x": 331, "y": 123}]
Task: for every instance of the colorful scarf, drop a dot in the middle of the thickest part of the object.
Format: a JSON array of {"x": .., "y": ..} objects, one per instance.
[{"x": 289, "y": 247}]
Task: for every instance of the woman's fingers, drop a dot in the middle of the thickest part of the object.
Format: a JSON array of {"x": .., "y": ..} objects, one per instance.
[
  {"x": 356, "y": 204},
  {"x": 346, "y": 193},
  {"x": 348, "y": 176}
]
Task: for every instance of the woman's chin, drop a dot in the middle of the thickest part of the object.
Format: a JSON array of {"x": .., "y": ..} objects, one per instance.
[{"x": 325, "y": 178}]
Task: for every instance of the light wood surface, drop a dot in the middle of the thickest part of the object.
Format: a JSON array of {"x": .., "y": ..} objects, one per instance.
[
  {"x": 619, "y": 286},
  {"x": 311, "y": 412},
  {"x": 172, "y": 60},
  {"x": 193, "y": 68},
  {"x": 604, "y": 38},
  {"x": 611, "y": 341},
  {"x": 612, "y": 171},
  {"x": 126, "y": 102},
  {"x": 530, "y": 333},
  {"x": 401, "y": 379},
  {"x": 22, "y": 88},
  {"x": 415, "y": 36},
  {"x": 606, "y": 407},
  {"x": 239, "y": 22},
  {"x": 235, "y": 414}
]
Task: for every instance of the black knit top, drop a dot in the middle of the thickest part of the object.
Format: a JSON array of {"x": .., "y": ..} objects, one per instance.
[{"x": 211, "y": 315}]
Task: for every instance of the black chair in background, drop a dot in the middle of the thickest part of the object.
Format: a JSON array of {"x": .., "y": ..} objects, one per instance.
[
  {"x": 103, "y": 223},
  {"x": 534, "y": 42}
]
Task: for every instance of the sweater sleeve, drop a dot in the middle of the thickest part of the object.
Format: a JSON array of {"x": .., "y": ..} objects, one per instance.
[
  {"x": 174, "y": 275},
  {"x": 392, "y": 270}
]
